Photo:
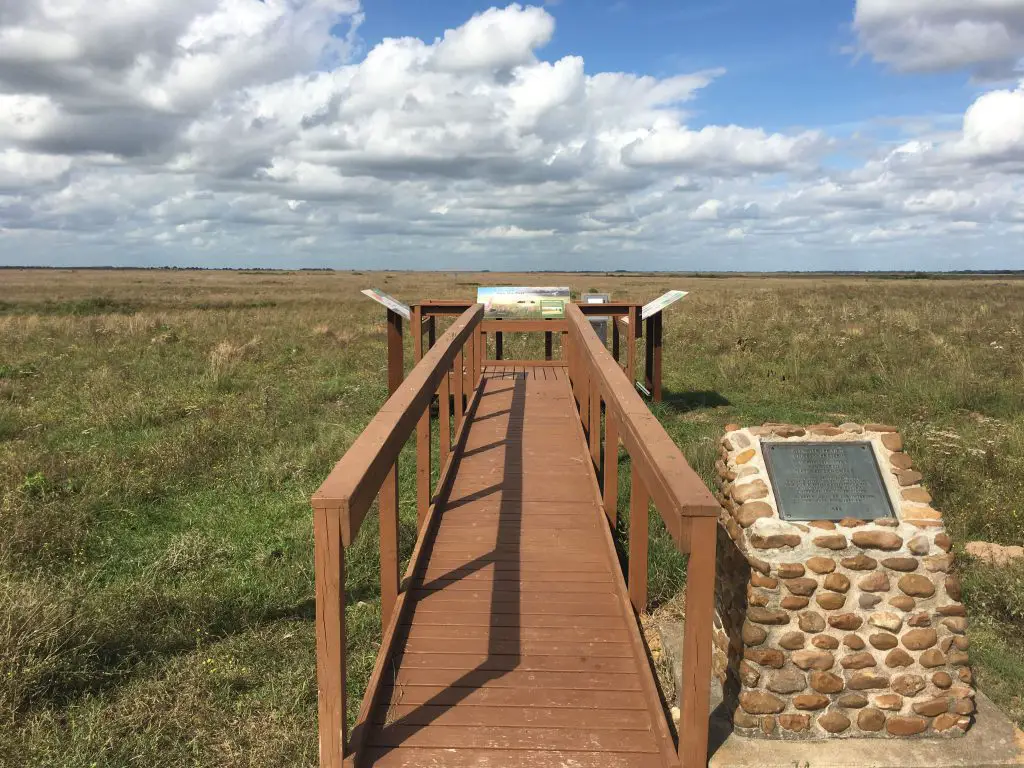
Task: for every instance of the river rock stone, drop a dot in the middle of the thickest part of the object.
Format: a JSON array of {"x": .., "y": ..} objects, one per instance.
[
  {"x": 931, "y": 658},
  {"x": 908, "y": 685},
  {"x": 920, "y": 639},
  {"x": 790, "y": 570},
  {"x": 909, "y": 477},
  {"x": 865, "y": 679},
  {"x": 885, "y": 620},
  {"x": 766, "y": 582},
  {"x": 795, "y": 723},
  {"x": 942, "y": 680},
  {"x": 821, "y": 565},
  {"x": 830, "y": 601},
  {"x": 803, "y": 587},
  {"x": 751, "y": 512},
  {"x": 884, "y": 540},
  {"x": 859, "y": 562},
  {"x": 883, "y": 641},
  {"x": 874, "y": 582},
  {"x": 931, "y": 708},
  {"x": 897, "y": 657},
  {"x": 767, "y": 616},
  {"x": 845, "y": 621},
  {"x": 813, "y": 659},
  {"x": 793, "y": 641},
  {"x": 903, "y": 602},
  {"x": 811, "y": 621},
  {"x": 905, "y": 564},
  {"x": 900, "y": 461},
  {"x": 775, "y": 541},
  {"x": 810, "y": 701},
  {"x": 868, "y": 601},
  {"x": 753, "y": 634},
  {"x": 861, "y": 660},
  {"x": 835, "y": 542},
  {"x": 956, "y": 624},
  {"x": 952, "y": 585},
  {"x": 755, "y": 489},
  {"x": 870, "y": 719},
  {"x": 794, "y": 603},
  {"x": 917, "y": 495},
  {"x": 827, "y": 682},
  {"x": 761, "y": 703},
  {"x": 919, "y": 545},
  {"x": 854, "y": 642},
  {"x": 852, "y": 700},
  {"x": 825, "y": 642},
  {"x": 889, "y": 701},
  {"x": 915, "y": 585},
  {"x": 786, "y": 681},
  {"x": 837, "y": 582},
  {"x": 766, "y": 657},
  {"x": 905, "y": 725},
  {"x": 834, "y": 722},
  {"x": 749, "y": 675}
]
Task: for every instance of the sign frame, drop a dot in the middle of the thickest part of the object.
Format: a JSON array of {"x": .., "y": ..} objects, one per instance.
[
  {"x": 661, "y": 303},
  {"x": 524, "y": 302}
]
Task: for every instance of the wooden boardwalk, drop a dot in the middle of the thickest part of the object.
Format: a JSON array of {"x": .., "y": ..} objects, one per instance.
[
  {"x": 521, "y": 648},
  {"x": 512, "y": 639}
]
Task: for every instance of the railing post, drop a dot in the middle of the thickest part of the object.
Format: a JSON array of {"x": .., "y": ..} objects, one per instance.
[
  {"x": 329, "y": 558},
  {"x": 700, "y": 606},
  {"x": 565, "y": 344},
  {"x": 547, "y": 345},
  {"x": 656, "y": 365},
  {"x": 458, "y": 379},
  {"x": 387, "y": 499},
  {"x": 444, "y": 417},
  {"x": 497, "y": 345},
  {"x": 610, "y": 473},
  {"x": 639, "y": 502},
  {"x": 615, "y": 338},
  {"x": 595, "y": 423},
  {"x": 422, "y": 431},
  {"x": 649, "y": 354},
  {"x": 631, "y": 331}
]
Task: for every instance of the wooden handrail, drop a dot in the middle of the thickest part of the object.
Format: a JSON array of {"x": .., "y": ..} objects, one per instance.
[
  {"x": 661, "y": 474},
  {"x": 676, "y": 489},
  {"x": 355, "y": 480}
]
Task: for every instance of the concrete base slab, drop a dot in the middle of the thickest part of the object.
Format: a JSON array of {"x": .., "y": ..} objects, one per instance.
[{"x": 992, "y": 742}]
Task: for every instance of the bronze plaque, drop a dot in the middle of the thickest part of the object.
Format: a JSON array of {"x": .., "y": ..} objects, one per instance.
[{"x": 826, "y": 481}]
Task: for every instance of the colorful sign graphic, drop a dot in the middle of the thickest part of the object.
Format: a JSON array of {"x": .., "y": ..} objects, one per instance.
[{"x": 522, "y": 303}]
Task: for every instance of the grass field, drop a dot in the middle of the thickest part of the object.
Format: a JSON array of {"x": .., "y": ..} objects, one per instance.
[{"x": 161, "y": 433}]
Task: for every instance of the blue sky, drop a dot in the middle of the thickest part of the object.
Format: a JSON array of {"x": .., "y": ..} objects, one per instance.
[{"x": 579, "y": 134}]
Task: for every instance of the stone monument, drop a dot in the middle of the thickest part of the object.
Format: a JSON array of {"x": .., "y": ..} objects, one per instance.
[{"x": 838, "y": 612}]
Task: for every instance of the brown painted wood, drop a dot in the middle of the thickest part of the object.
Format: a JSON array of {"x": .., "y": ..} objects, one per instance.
[
  {"x": 444, "y": 418},
  {"x": 632, "y": 328},
  {"x": 595, "y": 423},
  {"x": 330, "y": 635},
  {"x": 422, "y": 431},
  {"x": 649, "y": 354},
  {"x": 388, "y": 508},
  {"x": 610, "y": 472},
  {"x": 458, "y": 382},
  {"x": 355, "y": 480},
  {"x": 656, "y": 366},
  {"x": 700, "y": 602},
  {"x": 548, "y": 345},
  {"x": 498, "y": 351},
  {"x": 639, "y": 503},
  {"x": 515, "y": 622}
]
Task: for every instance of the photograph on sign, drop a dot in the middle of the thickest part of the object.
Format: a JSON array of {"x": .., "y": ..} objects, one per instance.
[
  {"x": 388, "y": 301},
  {"x": 656, "y": 306},
  {"x": 519, "y": 303}
]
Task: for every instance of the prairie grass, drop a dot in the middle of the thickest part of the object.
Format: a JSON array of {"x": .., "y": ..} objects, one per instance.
[{"x": 161, "y": 433}]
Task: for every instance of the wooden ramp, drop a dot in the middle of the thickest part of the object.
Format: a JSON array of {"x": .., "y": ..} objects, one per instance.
[
  {"x": 521, "y": 648},
  {"x": 512, "y": 639}
]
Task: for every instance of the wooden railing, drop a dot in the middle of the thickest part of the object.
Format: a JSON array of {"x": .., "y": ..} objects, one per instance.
[
  {"x": 658, "y": 473},
  {"x": 369, "y": 470}
]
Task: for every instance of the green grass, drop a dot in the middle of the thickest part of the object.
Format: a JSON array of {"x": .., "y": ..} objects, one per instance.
[{"x": 161, "y": 433}]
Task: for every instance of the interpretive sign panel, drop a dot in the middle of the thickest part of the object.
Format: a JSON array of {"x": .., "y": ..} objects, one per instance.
[
  {"x": 522, "y": 303},
  {"x": 388, "y": 301},
  {"x": 826, "y": 481},
  {"x": 660, "y": 303}
]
